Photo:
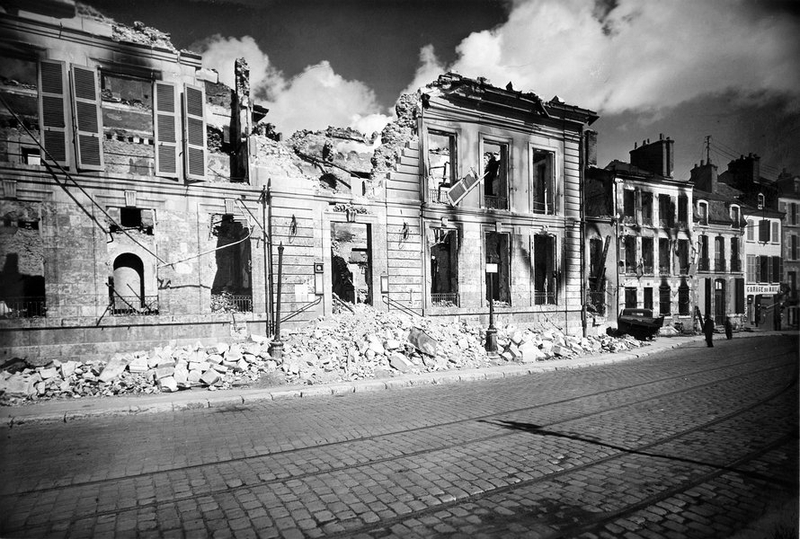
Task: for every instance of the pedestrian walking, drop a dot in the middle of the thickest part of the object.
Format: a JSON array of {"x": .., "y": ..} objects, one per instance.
[
  {"x": 728, "y": 328},
  {"x": 708, "y": 329}
]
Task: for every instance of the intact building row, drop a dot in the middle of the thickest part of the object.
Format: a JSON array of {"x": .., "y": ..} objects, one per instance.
[{"x": 144, "y": 203}]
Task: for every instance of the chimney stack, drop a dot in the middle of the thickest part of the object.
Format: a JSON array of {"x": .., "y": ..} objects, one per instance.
[{"x": 657, "y": 158}]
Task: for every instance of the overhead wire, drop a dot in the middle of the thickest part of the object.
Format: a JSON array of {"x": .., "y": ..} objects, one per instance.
[{"x": 163, "y": 263}]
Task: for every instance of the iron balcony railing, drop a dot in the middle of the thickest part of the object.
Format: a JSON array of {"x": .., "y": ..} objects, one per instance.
[
  {"x": 134, "y": 305},
  {"x": 647, "y": 269},
  {"x": 719, "y": 264},
  {"x": 437, "y": 195},
  {"x": 445, "y": 299},
  {"x": 703, "y": 264},
  {"x": 23, "y": 307},
  {"x": 544, "y": 298},
  {"x": 231, "y": 303},
  {"x": 495, "y": 203},
  {"x": 736, "y": 264}
]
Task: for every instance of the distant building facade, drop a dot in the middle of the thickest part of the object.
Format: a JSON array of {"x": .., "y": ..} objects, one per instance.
[{"x": 789, "y": 205}]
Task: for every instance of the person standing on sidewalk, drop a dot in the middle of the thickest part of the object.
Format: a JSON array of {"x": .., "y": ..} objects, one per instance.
[
  {"x": 708, "y": 329},
  {"x": 728, "y": 328}
]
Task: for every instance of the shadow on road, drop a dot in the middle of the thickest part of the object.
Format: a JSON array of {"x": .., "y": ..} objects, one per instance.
[{"x": 541, "y": 431}]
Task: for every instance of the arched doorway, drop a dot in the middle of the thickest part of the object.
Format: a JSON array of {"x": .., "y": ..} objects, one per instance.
[{"x": 128, "y": 284}]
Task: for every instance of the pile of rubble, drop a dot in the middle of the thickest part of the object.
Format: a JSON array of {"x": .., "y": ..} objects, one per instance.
[{"x": 362, "y": 344}]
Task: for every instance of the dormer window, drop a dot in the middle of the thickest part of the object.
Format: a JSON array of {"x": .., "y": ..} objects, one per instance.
[
  {"x": 702, "y": 212},
  {"x": 735, "y": 215},
  {"x": 760, "y": 201}
]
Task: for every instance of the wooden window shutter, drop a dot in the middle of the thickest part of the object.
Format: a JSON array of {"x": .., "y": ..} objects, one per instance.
[
  {"x": 462, "y": 188},
  {"x": 88, "y": 118},
  {"x": 53, "y": 111},
  {"x": 166, "y": 129},
  {"x": 194, "y": 128}
]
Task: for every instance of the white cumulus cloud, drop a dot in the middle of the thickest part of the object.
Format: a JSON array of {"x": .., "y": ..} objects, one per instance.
[
  {"x": 643, "y": 55},
  {"x": 314, "y": 99}
]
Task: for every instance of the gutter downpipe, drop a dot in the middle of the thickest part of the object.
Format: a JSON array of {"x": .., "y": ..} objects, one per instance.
[
  {"x": 268, "y": 261},
  {"x": 582, "y": 224}
]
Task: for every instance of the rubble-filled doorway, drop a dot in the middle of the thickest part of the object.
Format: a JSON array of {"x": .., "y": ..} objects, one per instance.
[
  {"x": 351, "y": 262},
  {"x": 498, "y": 253},
  {"x": 444, "y": 268}
]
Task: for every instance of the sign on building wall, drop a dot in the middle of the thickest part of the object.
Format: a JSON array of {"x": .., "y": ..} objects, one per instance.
[{"x": 761, "y": 289}]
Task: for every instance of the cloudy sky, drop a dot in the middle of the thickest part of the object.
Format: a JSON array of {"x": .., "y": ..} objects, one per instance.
[{"x": 728, "y": 69}]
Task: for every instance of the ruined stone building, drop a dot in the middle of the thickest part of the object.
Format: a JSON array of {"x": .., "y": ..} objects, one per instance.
[
  {"x": 490, "y": 191},
  {"x": 127, "y": 216},
  {"x": 639, "y": 239},
  {"x": 719, "y": 224}
]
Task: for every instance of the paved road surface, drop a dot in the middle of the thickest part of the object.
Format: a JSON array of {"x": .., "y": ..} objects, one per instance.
[{"x": 694, "y": 442}]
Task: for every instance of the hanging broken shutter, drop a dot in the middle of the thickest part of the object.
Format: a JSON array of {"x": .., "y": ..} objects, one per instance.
[
  {"x": 53, "y": 111},
  {"x": 88, "y": 120},
  {"x": 461, "y": 188},
  {"x": 194, "y": 128},
  {"x": 166, "y": 129}
]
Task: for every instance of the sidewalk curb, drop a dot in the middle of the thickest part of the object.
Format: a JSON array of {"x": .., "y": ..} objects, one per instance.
[{"x": 68, "y": 410}]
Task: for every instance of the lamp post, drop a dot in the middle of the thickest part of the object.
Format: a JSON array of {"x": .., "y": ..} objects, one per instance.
[
  {"x": 276, "y": 346},
  {"x": 491, "y": 332}
]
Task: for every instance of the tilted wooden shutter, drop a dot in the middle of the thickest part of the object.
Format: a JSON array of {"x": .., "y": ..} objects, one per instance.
[
  {"x": 194, "y": 132},
  {"x": 166, "y": 129},
  {"x": 88, "y": 118},
  {"x": 53, "y": 111},
  {"x": 462, "y": 188}
]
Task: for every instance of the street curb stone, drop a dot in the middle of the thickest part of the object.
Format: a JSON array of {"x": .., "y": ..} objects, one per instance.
[{"x": 59, "y": 410}]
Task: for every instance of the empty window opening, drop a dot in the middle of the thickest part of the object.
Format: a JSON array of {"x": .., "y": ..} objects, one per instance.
[
  {"x": 127, "y": 289},
  {"x": 719, "y": 253},
  {"x": 684, "y": 300},
  {"x": 629, "y": 250},
  {"x": 441, "y": 157},
  {"x": 702, "y": 213},
  {"x": 630, "y": 297},
  {"x": 543, "y": 182},
  {"x": 647, "y": 208},
  {"x": 647, "y": 255},
  {"x": 663, "y": 256},
  {"x": 545, "y": 284},
  {"x": 683, "y": 257},
  {"x": 648, "y": 297},
  {"x": 597, "y": 276},
  {"x": 683, "y": 209},
  {"x": 351, "y": 260},
  {"x": 495, "y": 175},
  {"x": 444, "y": 268},
  {"x": 231, "y": 290},
  {"x": 666, "y": 210},
  {"x": 498, "y": 253},
  {"x": 665, "y": 300},
  {"x": 704, "y": 262},
  {"x": 629, "y": 205}
]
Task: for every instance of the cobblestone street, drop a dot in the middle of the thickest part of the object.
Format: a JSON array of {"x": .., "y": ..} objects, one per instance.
[{"x": 692, "y": 442}]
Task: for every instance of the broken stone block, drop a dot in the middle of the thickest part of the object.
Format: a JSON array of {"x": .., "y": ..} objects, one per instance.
[
  {"x": 221, "y": 348},
  {"x": 560, "y": 351},
  {"x": 242, "y": 365},
  {"x": 165, "y": 371},
  {"x": 48, "y": 373},
  {"x": 250, "y": 358},
  {"x": 507, "y": 356},
  {"x": 530, "y": 353},
  {"x": 168, "y": 384},
  {"x": 210, "y": 377},
  {"x": 181, "y": 373},
  {"x": 138, "y": 364},
  {"x": 400, "y": 362},
  {"x": 513, "y": 349},
  {"x": 392, "y": 344},
  {"x": 376, "y": 345},
  {"x": 211, "y": 358},
  {"x": 201, "y": 366},
  {"x": 68, "y": 368},
  {"x": 422, "y": 341},
  {"x": 517, "y": 338},
  {"x": 114, "y": 368},
  {"x": 194, "y": 376}
]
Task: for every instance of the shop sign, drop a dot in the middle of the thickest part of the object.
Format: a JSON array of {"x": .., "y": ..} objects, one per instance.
[{"x": 761, "y": 289}]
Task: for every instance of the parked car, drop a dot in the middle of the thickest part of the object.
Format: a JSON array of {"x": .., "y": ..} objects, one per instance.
[{"x": 640, "y": 323}]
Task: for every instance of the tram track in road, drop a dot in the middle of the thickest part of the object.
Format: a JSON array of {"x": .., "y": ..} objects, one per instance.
[
  {"x": 407, "y": 456},
  {"x": 479, "y": 418}
]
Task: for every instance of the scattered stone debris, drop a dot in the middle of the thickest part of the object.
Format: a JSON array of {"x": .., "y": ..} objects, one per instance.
[{"x": 364, "y": 344}]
